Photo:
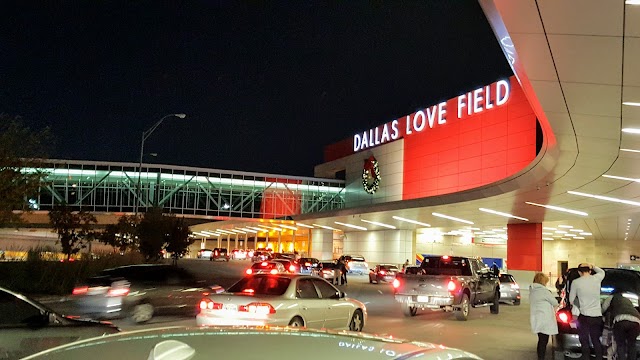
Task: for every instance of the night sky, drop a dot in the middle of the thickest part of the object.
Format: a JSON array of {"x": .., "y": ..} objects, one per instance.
[{"x": 265, "y": 86}]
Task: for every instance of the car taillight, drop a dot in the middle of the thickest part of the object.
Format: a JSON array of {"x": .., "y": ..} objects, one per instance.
[
  {"x": 118, "y": 291},
  {"x": 292, "y": 268},
  {"x": 382, "y": 272},
  {"x": 515, "y": 286},
  {"x": 396, "y": 283},
  {"x": 249, "y": 272},
  {"x": 264, "y": 263},
  {"x": 257, "y": 308},
  {"x": 563, "y": 316},
  {"x": 80, "y": 290},
  {"x": 307, "y": 264},
  {"x": 273, "y": 271},
  {"x": 451, "y": 286},
  {"x": 210, "y": 305}
]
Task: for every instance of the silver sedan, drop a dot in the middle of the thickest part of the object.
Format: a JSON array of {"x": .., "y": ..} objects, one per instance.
[{"x": 283, "y": 300}]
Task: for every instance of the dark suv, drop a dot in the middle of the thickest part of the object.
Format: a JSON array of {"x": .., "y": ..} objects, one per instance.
[
  {"x": 220, "y": 254},
  {"x": 139, "y": 292},
  {"x": 566, "y": 343}
]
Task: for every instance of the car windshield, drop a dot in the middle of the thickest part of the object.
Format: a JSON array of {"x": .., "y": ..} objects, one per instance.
[
  {"x": 261, "y": 285},
  {"x": 389, "y": 267},
  {"x": 506, "y": 278},
  {"x": 446, "y": 265}
]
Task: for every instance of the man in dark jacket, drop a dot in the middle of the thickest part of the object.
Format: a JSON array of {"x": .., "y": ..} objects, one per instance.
[
  {"x": 342, "y": 265},
  {"x": 626, "y": 324}
]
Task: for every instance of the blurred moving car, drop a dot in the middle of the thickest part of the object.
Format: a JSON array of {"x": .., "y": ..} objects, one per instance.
[
  {"x": 260, "y": 255},
  {"x": 220, "y": 254},
  {"x": 309, "y": 265},
  {"x": 204, "y": 254},
  {"x": 509, "y": 289},
  {"x": 355, "y": 264},
  {"x": 139, "y": 292},
  {"x": 411, "y": 269},
  {"x": 329, "y": 271},
  {"x": 290, "y": 265},
  {"x": 383, "y": 272},
  {"x": 281, "y": 300},
  {"x": 27, "y": 326},
  {"x": 182, "y": 343},
  {"x": 566, "y": 343},
  {"x": 266, "y": 267},
  {"x": 238, "y": 254}
]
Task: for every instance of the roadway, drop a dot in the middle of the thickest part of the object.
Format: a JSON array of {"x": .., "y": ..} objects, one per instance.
[{"x": 506, "y": 335}]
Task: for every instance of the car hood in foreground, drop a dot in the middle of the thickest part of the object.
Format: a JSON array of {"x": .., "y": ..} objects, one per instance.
[{"x": 182, "y": 343}]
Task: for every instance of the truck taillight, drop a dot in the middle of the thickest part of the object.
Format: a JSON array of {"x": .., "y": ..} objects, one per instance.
[
  {"x": 249, "y": 272},
  {"x": 118, "y": 291},
  {"x": 451, "y": 286},
  {"x": 396, "y": 283}
]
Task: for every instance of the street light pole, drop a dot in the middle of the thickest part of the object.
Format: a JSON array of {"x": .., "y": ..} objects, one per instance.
[{"x": 145, "y": 135}]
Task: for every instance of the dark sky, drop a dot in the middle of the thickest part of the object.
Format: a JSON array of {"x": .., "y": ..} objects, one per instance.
[{"x": 265, "y": 86}]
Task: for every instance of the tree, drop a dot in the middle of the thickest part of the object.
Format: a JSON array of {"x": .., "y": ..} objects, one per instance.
[
  {"x": 21, "y": 153},
  {"x": 179, "y": 238},
  {"x": 152, "y": 233},
  {"x": 122, "y": 235},
  {"x": 74, "y": 229}
]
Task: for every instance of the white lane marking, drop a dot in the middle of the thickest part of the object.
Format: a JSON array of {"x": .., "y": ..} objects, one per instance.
[{"x": 380, "y": 291}]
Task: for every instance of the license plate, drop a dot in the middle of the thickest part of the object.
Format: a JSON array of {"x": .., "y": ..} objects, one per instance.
[
  {"x": 503, "y": 294},
  {"x": 423, "y": 299},
  {"x": 231, "y": 307}
]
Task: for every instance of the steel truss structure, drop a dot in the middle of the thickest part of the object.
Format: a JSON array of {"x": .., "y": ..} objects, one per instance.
[{"x": 112, "y": 187}]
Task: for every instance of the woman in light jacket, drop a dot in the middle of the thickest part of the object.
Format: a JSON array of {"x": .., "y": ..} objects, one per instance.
[{"x": 543, "y": 312}]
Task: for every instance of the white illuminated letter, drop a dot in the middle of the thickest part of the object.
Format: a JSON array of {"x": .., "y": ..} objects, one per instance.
[
  {"x": 372, "y": 140},
  {"x": 419, "y": 116},
  {"x": 461, "y": 104},
  {"x": 385, "y": 134},
  {"x": 365, "y": 142},
  {"x": 442, "y": 111},
  {"x": 394, "y": 128},
  {"x": 502, "y": 92},
  {"x": 477, "y": 100},
  {"x": 469, "y": 104},
  {"x": 408, "y": 121},
  {"x": 487, "y": 98},
  {"x": 431, "y": 115},
  {"x": 357, "y": 141}
]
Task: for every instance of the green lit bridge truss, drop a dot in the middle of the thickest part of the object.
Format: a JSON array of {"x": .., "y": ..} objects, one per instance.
[{"x": 111, "y": 187}]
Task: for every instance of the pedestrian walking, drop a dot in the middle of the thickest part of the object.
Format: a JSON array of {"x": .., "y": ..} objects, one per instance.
[
  {"x": 625, "y": 320},
  {"x": 586, "y": 290},
  {"x": 343, "y": 271},
  {"x": 542, "y": 306}
]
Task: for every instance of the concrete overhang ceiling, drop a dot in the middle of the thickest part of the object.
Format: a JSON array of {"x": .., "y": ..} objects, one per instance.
[{"x": 578, "y": 61}]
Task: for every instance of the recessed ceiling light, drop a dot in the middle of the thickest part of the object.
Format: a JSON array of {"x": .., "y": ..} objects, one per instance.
[
  {"x": 631, "y": 130},
  {"x": 410, "y": 221},
  {"x": 576, "y": 230},
  {"x": 304, "y": 225},
  {"x": 586, "y": 233},
  {"x": 605, "y": 198},
  {"x": 452, "y": 218},
  {"x": 630, "y": 103},
  {"x": 351, "y": 226},
  {"x": 547, "y": 238},
  {"x": 558, "y": 208},
  {"x": 630, "y": 150},
  {"x": 324, "y": 227},
  {"x": 621, "y": 178},
  {"x": 503, "y": 214},
  {"x": 560, "y": 232},
  {"x": 378, "y": 223},
  {"x": 288, "y": 227},
  {"x": 549, "y": 228},
  {"x": 565, "y": 226},
  {"x": 579, "y": 237}
]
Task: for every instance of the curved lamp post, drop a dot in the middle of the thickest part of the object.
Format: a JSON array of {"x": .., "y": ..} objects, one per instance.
[{"x": 145, "y": 135}]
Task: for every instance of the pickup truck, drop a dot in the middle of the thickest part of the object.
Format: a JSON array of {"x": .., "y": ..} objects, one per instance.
[{"x": 449, "y": 283}]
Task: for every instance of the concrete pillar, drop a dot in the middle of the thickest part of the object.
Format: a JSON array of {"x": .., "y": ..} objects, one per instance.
[
  {"x": 524, "y": 252},
  {"x": 321, "y": 244}
]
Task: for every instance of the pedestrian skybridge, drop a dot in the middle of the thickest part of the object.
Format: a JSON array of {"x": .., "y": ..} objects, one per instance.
[{"x": 113, "y": 187}]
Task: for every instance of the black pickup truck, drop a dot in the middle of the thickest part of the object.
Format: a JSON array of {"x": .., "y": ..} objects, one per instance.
[{"x": 449, "y": 283}]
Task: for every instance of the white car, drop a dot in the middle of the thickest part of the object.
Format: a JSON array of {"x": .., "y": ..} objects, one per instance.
[
  {"x": 231, "y": 343},
  {"x": 283, "y": 300}
]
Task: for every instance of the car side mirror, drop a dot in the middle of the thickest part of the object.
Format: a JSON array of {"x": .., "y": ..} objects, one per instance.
[
  {"x": 38, "y": 321},
  {"x": 343, "y": 295}
]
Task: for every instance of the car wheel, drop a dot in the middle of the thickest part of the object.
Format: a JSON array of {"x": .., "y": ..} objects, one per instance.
[
  {"x": 357, "y": 321},
  {"x": 409, "y": 310},
  {"x": 296, "y": 322},
  {"x": 142, "y": 313},
  {"x": 462, "y": 314},
  {"x": 495, "y": 308},
  {"x": 516, "y": 302}
]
